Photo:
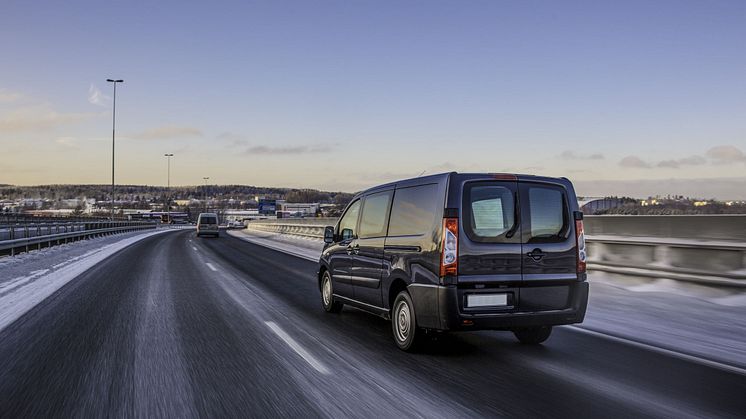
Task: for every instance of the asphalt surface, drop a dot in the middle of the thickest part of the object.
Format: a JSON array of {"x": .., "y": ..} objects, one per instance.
[{"x": 176, "y": 326}]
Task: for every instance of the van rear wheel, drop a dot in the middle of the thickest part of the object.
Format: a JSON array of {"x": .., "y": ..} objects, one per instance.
[
  {"x": 327, "y": 295},
  {"x": 404, "y": 324},
  {"x": 533, "y": 335}
]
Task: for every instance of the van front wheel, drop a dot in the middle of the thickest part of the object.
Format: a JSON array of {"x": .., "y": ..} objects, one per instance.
[
  {"x": 533, "y": 335},
  {"x": 327, "y": 295},
  {"x": 404, "y": 324}
]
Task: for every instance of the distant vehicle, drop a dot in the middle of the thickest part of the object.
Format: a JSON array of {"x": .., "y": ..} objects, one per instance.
[
  {"x": 460, "y": 252},
  {"x": 207, "y": 224},
  {"x": 236, "y": 224}
]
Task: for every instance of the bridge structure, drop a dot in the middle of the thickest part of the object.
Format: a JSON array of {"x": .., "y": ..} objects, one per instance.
[{"x": 704, "y": 249}]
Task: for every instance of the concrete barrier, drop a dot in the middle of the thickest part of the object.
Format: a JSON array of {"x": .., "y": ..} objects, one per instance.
[{"x": 705, "y": 249}]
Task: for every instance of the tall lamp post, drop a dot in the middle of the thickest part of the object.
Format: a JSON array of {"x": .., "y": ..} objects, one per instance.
[
  {"x": 205, "y": 179},
  {"x": 113, "y": 131},
  {"x": 168, "y": 186}
]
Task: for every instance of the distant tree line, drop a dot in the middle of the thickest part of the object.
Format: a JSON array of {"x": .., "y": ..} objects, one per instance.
[{"x": 140, "y": 195}]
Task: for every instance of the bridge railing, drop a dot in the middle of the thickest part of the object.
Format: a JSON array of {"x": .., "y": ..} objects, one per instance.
[
  {"x": 709, "y": 250},
  {"x": 20, "y": 237}
]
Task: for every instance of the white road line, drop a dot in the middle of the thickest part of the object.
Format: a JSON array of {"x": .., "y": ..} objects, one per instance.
[
  {"x": 691, "y": 358},
  {"x": 318, "y": 366},
  {"x": 194, "y": 248},
  {"x": 209, "y": 265}
]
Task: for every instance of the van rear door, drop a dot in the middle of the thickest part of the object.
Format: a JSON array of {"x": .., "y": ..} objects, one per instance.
[
  {"x": 549, "y": 254},
  {"x": 490, "y": 248}
]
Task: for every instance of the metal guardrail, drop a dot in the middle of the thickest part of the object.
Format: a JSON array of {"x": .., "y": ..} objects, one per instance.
[
  {"x": 708, "y": 262},
  {"x": 19, "y": 238}
]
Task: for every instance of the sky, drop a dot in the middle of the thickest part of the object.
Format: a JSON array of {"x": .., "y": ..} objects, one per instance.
[{"x": 633, "y": 98}]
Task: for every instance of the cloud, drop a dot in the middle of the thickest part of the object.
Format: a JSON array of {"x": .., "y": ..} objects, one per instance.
[
  {"x": 39, "y": 118},
  {"x": 6, "y": 96},
  {"x": 686, "y": 161},
  {"x": 167, "y": 132},
  {"x": 264, "y": 150},
  {"x": 69, "y": 143},
  {"x": 96, "y": 97},
  {"x": 571, "y": 155},
  {"x": 634, "y": 162},
  {"x": 726, "y": 154},
  {"x": 233, "y": 139}
]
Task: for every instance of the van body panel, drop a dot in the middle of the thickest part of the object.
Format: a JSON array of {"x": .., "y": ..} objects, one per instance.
[
  {"x": 452, "y": 318},
  {"x": 414, "y": 257},
  {"x": 425, "y": 298},
  {"x": 367, "y": 270},
  {"x": 339, "y": 263}
]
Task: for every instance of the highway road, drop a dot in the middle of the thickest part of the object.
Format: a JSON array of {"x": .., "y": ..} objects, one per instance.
[{"x": 176, "y": 326}]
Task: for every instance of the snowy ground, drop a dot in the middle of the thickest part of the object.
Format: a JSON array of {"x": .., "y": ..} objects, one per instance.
[
  {"x": 692, "y": 319},
  {"x": 29, "y": 278}
]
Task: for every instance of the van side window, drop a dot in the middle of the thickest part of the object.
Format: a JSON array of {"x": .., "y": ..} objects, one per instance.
[
  {"x": 373, "y": 218},
  {"x": 489, "y": 210},
  {"x": 414, "y": 210},
  {"x": 348, "y": 223},
  {"x": 548, "y": 212}
]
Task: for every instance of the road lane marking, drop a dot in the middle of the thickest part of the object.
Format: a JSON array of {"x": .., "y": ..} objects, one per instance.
[
  {"x": 318, "y": 366},
  {"x": 663, "y": 351},
  {"x": 209, "y": 265},
  {"x": 194, "y": 248}
]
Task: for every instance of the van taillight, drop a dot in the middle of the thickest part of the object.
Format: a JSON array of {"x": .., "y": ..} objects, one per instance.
[
  {"x": 580, "y": 244},
  {"x": 449, "y": 255}
]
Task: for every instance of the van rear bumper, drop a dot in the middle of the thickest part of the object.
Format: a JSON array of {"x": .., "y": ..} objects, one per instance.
[{"x": 453, "y": 318}]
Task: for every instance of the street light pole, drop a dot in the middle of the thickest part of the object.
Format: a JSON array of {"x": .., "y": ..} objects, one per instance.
[
  {"x": 168, "y": 186},
  {"x": 205, "y": 179},
  {"x": 113, "y": 136}
]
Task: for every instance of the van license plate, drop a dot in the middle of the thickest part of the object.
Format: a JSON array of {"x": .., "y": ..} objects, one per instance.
[{"x": 486, "y": 300}]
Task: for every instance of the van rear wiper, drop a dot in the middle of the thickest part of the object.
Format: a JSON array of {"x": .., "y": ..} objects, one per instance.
[{"x": 512, "y": 231}]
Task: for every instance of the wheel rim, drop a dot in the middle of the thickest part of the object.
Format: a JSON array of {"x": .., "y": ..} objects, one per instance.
[
  {"x": 403, "y": 321},
  {"x": 326, "y": 290}
]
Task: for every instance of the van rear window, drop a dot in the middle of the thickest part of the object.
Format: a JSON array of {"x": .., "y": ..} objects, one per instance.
[
  {"x": 490, "y": 212},
  {"x": 208, "y": 220},
  {"x": 548, "y": 212}
]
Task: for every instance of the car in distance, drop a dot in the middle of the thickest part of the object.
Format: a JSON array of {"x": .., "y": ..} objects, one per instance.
[
  {"x": 207, "y": 224},
  {"x": 460, "y": 252},
  {"x": 236, "y": 224}
]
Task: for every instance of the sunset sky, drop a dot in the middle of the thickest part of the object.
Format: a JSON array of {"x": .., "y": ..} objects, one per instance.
[{"x": 621, "y": 97}]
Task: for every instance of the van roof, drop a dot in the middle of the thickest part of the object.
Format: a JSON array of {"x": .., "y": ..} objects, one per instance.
[
  {"x": 440, "y": 177},
  {"x": 212, "y": 214}
]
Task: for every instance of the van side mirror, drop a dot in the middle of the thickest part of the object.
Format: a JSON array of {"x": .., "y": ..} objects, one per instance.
[{"x": 328, "y": 234}]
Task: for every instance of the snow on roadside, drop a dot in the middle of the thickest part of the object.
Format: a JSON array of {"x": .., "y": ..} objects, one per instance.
[
  {"x": 20, "y": 292},
  {"x": 303, "y": 247}
]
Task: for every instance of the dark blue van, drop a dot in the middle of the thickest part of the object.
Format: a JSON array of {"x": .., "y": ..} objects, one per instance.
[{"x": 459, "y": 252}]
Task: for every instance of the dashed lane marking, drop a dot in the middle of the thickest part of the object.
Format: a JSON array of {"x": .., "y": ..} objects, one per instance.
[{"x": 318, "y": 366}]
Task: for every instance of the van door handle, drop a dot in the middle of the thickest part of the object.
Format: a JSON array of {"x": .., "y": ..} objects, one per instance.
[{"x": 536, "y": 254}]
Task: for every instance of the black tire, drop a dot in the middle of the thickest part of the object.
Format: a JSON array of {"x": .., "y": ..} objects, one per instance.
[
  {"x": 407, "y": 336},
  {"x": 533, "y": 335},
  {"x": 327, "y": 295}
]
